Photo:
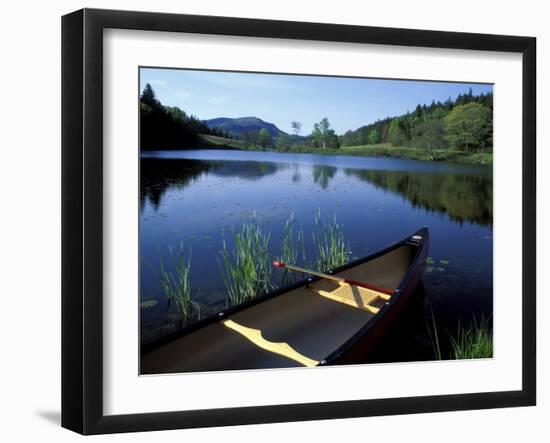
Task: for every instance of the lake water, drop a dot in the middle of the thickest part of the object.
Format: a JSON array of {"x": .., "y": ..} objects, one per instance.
[{"x": 198, "y": 196}]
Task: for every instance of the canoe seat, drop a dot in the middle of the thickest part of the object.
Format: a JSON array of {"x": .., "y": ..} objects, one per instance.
[
  {"x": 281, "y": 348},
  {"x": 356, "y": 296}
]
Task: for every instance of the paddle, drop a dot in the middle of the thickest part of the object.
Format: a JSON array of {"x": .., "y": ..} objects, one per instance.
[{"x": 348, "y": 281}]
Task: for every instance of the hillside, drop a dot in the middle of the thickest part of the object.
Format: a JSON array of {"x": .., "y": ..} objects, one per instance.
[
  {"x": 240, "y": 127},
  {"x": 212, "y": 141}
]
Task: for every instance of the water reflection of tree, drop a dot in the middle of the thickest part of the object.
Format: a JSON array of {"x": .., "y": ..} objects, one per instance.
[
  {"x": 157, "y": 175},
  {"x": 248, "y": 170},
  {"x": 296, "y": 176},
  {"x": 322, "y": 175},
  {"x": 462, "y": 197}
]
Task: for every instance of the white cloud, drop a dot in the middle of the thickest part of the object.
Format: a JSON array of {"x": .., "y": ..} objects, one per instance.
[
  {"x": 215, "y": 100},
  {"x": 183, "y": 94},
  {"x": 159, "y": 83}
]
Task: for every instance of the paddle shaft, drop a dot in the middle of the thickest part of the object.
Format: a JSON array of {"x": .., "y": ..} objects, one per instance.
[{"x": 279, "y": 264}]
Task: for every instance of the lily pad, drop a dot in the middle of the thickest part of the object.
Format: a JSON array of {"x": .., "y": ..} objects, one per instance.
[
  {"x": 148, "y": 303},
  {"x": 444, "y": 262},
  {"x": 429, "y": 269},
  {"x": 429, "y": 260},
  {"x": 440, "y": 269}
]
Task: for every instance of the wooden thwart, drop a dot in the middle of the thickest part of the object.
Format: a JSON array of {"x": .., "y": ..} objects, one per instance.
[
  {"x": 283, "y": 349},
  {"x": 355, "y": 296}
]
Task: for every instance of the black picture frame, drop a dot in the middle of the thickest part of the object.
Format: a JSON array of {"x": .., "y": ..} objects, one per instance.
[{"x": 82, "y": 219}]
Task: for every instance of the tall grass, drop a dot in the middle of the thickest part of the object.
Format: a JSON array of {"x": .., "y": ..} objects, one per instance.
[
  {"x": 475, "y": 341},
  {"x": 246, "y": 268},
  {"x": 176, "y": 287},
  {"x": 245, "y": 262},
  {"x": 434, "y": 335},
  {"x": 292, "y": 249},
  {"x": 330, "y": 246}
]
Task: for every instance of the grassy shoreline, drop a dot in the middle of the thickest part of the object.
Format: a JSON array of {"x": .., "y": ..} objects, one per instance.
[
  {"x": 407, "y": 153},
  {"x": 379, "y": 150}
]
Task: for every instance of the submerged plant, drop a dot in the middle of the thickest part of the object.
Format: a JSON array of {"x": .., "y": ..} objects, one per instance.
[
  {"x": 330, "y": 245},
  {"x": 246, "y": 268},
  {"x": 176, "y": 286}
]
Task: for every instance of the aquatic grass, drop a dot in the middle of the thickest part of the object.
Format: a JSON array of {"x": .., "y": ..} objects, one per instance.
[
  {"x": 476, "y": 341},
  {"x": 246, "y": 268},
  {"x": 290, "y": 242},
  {"x": 330, "y": 245},
  {"x": 292, "y": 248},
  {"x": 176, "y": 285},
  {"x": 434, "y": 335}
]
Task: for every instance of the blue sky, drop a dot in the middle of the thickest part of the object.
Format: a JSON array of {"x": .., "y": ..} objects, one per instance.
[{"x": 347, "y": 102}]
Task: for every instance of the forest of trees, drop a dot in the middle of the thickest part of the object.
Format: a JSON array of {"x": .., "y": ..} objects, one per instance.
[
  {"x": 464, "y": 124},
  {"x": 168, "y": 127}
]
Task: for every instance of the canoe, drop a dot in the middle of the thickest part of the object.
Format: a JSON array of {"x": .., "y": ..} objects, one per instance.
[{"x": 314, "y": 322}]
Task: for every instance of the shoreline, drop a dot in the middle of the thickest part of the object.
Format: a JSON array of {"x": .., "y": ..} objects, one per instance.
[{"x": 378, "y": 150}]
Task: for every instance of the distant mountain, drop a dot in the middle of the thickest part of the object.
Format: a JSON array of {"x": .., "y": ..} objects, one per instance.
[{"x": 243, "y": 125}]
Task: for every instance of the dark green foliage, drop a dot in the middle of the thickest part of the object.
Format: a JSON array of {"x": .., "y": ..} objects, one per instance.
[
  {"x": 470, "y": 128},
  {"x": 430, "y": 135},
  {"x": 373, "y": 136},
  {"x": 148, "y": 97},
  {"x": 397, "y": 133},
  {"x": 264, "y": 138},
  {"x": 168, "y": 127},
  {"x": 464, "y": 124},
  {"x": 284, "y": 141}
]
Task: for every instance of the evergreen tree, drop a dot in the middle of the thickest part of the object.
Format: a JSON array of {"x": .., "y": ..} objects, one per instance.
[{"x": 148, "y": 96}]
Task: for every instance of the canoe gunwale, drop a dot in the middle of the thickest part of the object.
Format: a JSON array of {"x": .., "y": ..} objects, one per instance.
[
  {"x": 414, "y": 269},
  {"x": 144, "y": 349}
]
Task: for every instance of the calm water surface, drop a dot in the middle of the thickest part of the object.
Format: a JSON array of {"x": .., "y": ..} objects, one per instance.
[{"x": 196, "y": 196}]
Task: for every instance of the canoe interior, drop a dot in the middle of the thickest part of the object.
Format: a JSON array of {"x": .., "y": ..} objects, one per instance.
[{"x": 297, "y": 328}]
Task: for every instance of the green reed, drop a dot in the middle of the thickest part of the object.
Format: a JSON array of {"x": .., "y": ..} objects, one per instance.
[
  {"x": 330, "y": 245},
  {"x": 434, "y": 336},
  {"x": 176, "y": 286},
  {"x": 475, "y": 341},
  {"x": 292, "y": 249},
  {"x": 246, "y": 268}
]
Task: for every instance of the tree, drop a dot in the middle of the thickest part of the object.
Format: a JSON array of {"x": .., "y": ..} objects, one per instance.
[
  {"x": 148, "y": 96},
  {"x": 296, "y": 127},
  {"x": 284, "y": 141},
  {"x": 396, "y": 133},
  {"x": 432, "y": 136},
  {"x": 322, "y": 132},
  {"x": 469, "y": 127},
  {"x": 373, "y": 136},
  {"x": 264, "y": 138}
]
